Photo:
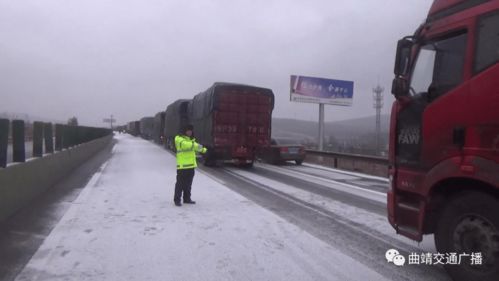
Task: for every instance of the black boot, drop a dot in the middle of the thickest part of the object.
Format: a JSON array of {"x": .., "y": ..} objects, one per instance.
[
  {"x": 178, "y": 204},
  {"x": 189, "y": 202}
]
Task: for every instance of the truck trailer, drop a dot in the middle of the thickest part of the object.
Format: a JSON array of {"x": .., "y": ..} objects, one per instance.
[
  {"x": 133, "y": 128},
  {"x": 159, "y": 128},
  {"x": 146, "y": 127},
  {"x": 444, "y": 136},
  {"x": 176, "y": 117},
  {"x": 233, "y": 121}
]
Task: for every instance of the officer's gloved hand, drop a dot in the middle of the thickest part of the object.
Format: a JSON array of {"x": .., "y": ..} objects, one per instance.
[{"x": 202, "y": 149}]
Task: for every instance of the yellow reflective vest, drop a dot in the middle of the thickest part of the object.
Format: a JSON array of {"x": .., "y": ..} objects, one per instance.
[{"x": 186, "y": 152}]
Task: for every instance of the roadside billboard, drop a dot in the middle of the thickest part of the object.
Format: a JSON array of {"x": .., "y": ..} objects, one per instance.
[{"x": 321, "y": 90}]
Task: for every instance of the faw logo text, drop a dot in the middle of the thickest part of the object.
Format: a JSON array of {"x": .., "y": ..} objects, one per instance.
[{"x": 409, "y": 136}]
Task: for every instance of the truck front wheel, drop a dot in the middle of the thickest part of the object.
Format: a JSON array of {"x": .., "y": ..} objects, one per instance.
[{"x": 469, "y": 228}]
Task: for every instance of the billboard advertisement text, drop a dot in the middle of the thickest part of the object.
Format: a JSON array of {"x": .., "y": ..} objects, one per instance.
[{"x": 321, "y": 90}]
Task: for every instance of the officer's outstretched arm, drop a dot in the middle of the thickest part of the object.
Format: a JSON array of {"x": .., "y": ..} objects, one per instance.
[{"x": 200, "y": 148}]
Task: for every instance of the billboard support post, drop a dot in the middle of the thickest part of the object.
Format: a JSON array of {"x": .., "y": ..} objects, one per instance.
[
  {"x": 378, "y": 104},
  {"x": 321, "y": 91},
  {"x": 321, "y": 126}
]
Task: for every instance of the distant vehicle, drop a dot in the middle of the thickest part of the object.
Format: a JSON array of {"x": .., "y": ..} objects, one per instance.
[
  {"x": 282, "y": 150},
  {"x": 158, "y": 133},
  {"x": 176, "y": 117},
  {"x": 133, "y": 128},
  {"x": 146, "y": 127},
  {"x": 233, "y": 121},
  {"x": 120, "y": 129}
]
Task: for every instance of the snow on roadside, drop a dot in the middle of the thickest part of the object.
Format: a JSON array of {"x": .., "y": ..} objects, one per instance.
[
  {"x": 124, "y": 226},
  {"x": 348, "y": 212}
]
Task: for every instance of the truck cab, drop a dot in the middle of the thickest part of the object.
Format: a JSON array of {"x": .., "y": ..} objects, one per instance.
[{"x": 444, "y": 134}]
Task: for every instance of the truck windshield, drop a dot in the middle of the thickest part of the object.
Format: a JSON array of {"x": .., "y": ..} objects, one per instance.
[{"x": 439, "y": 64}]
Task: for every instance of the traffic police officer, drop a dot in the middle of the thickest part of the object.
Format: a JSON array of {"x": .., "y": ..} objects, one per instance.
[{"x": 186, "y": 147}]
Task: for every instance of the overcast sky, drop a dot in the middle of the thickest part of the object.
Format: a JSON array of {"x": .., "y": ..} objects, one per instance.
[{"x": 131, "y": 58}]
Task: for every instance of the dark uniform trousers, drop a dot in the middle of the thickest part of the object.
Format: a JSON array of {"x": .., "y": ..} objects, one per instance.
[{"x": 183, "y": 185}]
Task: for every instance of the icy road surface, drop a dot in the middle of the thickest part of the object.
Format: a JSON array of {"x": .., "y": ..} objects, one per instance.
[
  {"x": 123, "y": 226},
  {"x": 266, "y": 223}
]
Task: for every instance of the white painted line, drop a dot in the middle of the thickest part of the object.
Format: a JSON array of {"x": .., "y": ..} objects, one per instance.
[
  {"x": 91, "y": 183},
  {"x": 344, "y": 187}
]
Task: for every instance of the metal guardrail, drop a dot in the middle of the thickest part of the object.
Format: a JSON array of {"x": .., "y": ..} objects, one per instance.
[
  {"x": 372, "y": 165},
  {"x": 375, "y": 159},
  {"x": 44, "y": 136}
]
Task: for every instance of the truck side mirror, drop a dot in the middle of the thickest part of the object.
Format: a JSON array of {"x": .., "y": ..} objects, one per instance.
[
  {"x": 400, "y": 87},
  {"x": 403, "y": 56}
]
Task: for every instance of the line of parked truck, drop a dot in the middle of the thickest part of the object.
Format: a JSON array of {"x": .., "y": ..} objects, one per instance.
[{"x": 232, "y": 120}]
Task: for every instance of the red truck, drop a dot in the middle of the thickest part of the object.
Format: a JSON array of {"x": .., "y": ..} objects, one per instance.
[
  {"x": 444, "y": 135},
  {"x": 233, "y": 121}
]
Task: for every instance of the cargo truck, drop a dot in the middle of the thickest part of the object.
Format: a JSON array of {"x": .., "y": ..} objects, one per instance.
[
  {"x": 176, "y": 117},
  {"x": 444, "y": 136},
  {"x": 133, "y": 128},
  {"x": 146, "y": 127},
  {"x": 159, "y": 128},
  {"x": 233, "y": 121}
]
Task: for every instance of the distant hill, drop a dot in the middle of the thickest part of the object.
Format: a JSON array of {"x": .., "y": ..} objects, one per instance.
[{"x": 346, "y": 129}]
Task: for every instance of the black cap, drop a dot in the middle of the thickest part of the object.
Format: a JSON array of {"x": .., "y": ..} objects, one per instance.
[{"x": 188, "y": 127}]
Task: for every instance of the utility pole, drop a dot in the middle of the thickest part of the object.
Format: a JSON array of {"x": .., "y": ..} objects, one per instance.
[
  {"x": 378, "y": 104},
  {"x": 109, "y": 120}
]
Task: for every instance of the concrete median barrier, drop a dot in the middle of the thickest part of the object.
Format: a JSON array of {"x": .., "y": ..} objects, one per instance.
[{"x": 23, "y": 182}]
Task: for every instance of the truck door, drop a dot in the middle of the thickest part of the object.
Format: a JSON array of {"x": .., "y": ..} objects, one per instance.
[{"x": 426, "y": 124}]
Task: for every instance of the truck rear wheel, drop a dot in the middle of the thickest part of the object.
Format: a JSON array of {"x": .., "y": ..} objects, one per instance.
[
  {"x": 469, "y": 224},
  {"x": 248, "y": 165},
  {"x": 208, "y": 162},
  {"x": 208, "y": 159}
]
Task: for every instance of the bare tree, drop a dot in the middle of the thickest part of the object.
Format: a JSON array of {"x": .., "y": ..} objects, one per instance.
[{"x": 73, "y": 121}]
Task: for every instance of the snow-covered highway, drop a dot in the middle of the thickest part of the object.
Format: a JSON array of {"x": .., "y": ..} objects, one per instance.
[{"x": 266, "y": 223}]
